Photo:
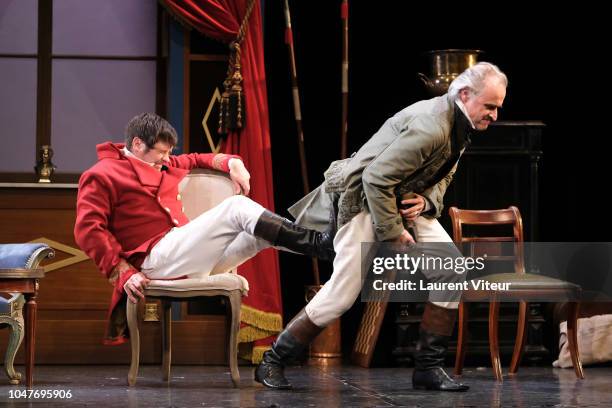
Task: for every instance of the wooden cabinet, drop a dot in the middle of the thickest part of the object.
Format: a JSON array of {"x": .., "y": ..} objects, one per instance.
[{"x": 73, "y": 296}]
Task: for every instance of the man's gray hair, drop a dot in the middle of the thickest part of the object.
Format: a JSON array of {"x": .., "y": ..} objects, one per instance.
[{"x": 474, "y": 79}]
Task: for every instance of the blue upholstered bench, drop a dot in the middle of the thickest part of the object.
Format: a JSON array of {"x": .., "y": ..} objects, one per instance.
[{"x": 19, "y": 274}]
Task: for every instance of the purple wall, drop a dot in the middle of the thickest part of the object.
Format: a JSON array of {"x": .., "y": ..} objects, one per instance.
[
  {"x": 18, "y": 114},
  {"x": 92, "y": 102},
  {"x": 109, "y": 27},
  {"x": 18, "y": 26}
]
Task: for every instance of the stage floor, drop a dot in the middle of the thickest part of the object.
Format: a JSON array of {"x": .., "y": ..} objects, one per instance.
[{"x": 203, "y": 386}]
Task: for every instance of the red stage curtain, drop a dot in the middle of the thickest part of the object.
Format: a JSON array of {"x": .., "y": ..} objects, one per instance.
[{"x": 220, "y": 20}]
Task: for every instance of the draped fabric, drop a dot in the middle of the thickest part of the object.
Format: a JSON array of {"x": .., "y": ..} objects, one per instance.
[{"x": 220, "y": 20}]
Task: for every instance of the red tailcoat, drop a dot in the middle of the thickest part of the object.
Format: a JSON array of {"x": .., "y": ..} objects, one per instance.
[{"x": 124, "y": 207}]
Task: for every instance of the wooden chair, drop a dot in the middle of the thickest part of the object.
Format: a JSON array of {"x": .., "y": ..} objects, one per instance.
[
  {"x": 523, "y": 287},
  {"x": 19, "y": 275},
  {"x": 201, "y": 190}
]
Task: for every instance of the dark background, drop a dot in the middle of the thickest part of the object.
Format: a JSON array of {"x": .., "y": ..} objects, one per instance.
[{"x": 553, "y": 57}]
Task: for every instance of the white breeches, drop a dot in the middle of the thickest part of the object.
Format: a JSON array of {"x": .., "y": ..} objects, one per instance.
[
  {"x": 217, "y": 241},
  {"x": 339, "y": 293}
]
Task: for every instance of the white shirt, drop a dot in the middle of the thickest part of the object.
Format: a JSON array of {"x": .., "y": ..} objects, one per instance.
[{"x": 130, "y": 154}]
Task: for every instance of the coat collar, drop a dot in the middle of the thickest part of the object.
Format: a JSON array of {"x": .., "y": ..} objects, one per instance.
[
  {"x": 147, "y": 175},
  {"x": 462, "y": 130}
]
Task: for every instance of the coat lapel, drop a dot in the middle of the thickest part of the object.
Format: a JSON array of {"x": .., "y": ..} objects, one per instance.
[
  {"x": 170, "y": 179},
  {"x": 147, "y": 175},
  {"x": 461, "y": 132}
]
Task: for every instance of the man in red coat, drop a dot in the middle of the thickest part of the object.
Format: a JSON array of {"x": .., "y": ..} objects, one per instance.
[{"x": 131, "y": 223}]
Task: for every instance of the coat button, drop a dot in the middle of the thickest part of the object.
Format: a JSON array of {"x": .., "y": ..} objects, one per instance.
[
  {"x": 183, "y": 208},
  {"x": 167, "y": 209},
  {"x": 175, "y": 221},
  {"x": 179, "y": 197}
]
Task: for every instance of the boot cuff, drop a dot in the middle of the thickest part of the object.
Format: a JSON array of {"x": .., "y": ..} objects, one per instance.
[
  {"x": 438, "y": 320},
  {"x": 302, "y": 328},
  {"x": 268, "y": 225}
]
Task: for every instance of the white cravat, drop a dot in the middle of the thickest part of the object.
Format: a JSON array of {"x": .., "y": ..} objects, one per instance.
[{"x": 130, "y": 154}]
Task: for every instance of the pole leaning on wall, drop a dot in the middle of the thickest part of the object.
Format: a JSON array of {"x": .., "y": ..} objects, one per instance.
[{"x": 298, "y": 117}]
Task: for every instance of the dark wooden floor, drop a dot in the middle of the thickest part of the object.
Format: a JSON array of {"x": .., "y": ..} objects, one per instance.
[{"x": 202, "y": 386}]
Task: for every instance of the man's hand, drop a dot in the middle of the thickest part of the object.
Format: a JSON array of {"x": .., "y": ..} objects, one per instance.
[
  {"x": 240, "y": 176},
  {"x": 405, "y": 238},
  {"x": 417, "y": 205},
  {"x": 135, "y": 286}
]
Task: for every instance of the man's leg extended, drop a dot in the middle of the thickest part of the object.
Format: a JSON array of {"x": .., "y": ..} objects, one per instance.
[
  {"x": 336, "y": 297},
  {"x": 196, "y": 248},
  {"x": 440, "y": 313}
]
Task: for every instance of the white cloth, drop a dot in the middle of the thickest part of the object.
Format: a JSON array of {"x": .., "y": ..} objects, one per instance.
[
  {"x": 127, "y": 153},
  {"x": 339, "y": 293},
  {"x": 217, "y": 241},
  {"x": 594, "y": 341}
]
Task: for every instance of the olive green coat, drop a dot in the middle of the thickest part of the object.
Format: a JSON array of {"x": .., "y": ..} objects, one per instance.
[{"x": 414, "y": 151}]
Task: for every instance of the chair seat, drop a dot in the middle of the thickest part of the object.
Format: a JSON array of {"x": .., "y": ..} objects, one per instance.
[
  {"x": 222, "y": 281},
  {"x": 527, "y": 287},
  {"x": 529, "y": 281},
  {"x": 16, "y": 256}
]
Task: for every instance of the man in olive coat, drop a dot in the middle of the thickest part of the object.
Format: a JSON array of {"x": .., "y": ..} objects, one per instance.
[{"x": 415, "y": 152}]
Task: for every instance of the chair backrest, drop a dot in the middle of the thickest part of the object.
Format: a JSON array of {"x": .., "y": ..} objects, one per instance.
[
  {"x": 203, "y": 189},
  {"x": 491, "y": 244}
]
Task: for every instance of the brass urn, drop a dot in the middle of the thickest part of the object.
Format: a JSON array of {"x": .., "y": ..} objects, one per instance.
[
  {"x": 445, "y": 66},
  {"x": 326, "y": 348}
]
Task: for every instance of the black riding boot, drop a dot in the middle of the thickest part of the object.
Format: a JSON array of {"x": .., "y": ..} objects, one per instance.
[
  {"x": 281, "y": 232},
  {"x": 289, "y": 344},
  {"x": 436, "y": 327}
]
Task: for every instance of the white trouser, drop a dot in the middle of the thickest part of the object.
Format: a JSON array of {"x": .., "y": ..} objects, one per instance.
[
  {"x": 215, "y": 242},
  {"x": 340, "y": 291}
]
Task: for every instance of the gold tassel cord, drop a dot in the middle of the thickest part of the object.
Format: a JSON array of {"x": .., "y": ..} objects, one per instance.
[{"x": 232, "y": 114}]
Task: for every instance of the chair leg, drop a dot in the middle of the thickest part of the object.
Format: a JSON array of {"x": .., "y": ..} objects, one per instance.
[
  {"x": 133, "y": 326},
  {"x": 519, "y": 342},
  {"x": 166, "y": 339},
  {"x": 30, "y": 336},
  {"x": 493, "y": 339},
  {"x": 572, "y": 337},
  {"x": 15, "y": 339},
  {"x": 235, "y": 299},
  {"x": 461, "y": 338}
]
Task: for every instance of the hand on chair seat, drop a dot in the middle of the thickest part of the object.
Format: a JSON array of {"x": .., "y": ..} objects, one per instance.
[{"x": 135, "y": 286}]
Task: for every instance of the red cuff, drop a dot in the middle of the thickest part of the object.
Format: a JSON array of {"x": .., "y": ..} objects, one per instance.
[{"x": 221, "y": 161}]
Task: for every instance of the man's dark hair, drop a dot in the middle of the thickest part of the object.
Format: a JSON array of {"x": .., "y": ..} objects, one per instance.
[{"x": 150, "y": 128}]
